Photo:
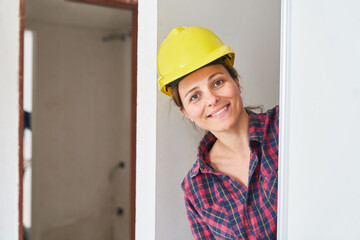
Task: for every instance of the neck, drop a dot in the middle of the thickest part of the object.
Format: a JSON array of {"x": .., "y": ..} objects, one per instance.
[{"x": 235, "y": 139}]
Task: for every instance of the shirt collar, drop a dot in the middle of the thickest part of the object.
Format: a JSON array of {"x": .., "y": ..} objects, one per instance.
[{"x": 256, "y": 133}]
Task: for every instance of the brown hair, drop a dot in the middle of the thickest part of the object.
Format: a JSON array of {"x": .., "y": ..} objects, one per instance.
[{"x": 175, "y": 89}]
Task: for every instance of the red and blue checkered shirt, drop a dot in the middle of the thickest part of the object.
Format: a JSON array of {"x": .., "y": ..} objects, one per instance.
[{"x": 218, "y": 207}]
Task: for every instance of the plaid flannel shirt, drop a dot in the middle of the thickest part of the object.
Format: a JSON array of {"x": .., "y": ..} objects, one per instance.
[{"x": 218, "y": 207}]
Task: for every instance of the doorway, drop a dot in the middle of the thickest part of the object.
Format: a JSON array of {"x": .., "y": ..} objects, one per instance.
[{"x": 82, "y": 162}]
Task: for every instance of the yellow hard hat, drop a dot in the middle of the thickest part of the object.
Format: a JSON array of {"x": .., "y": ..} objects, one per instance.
[{"x": 187, "y": 49}]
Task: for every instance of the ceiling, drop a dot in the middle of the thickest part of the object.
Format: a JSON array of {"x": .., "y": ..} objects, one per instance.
[{"x": 77, "y": 14}]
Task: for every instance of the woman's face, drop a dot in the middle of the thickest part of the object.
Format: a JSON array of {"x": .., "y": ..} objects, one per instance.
[{"x": 211, "y": 98}]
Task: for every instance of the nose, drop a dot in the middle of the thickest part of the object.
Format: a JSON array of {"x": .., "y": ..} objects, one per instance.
[{"x": 211, "y": 99}]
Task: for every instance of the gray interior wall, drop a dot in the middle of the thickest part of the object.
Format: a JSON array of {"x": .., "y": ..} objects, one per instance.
[
  {"x": 252, "y": 29},
  {"x": 80, "y": 132}
]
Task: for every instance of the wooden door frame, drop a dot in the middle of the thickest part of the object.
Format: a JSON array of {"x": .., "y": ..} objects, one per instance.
[
  {"x": 134, "y": 30},
  {"x": 122, "y": 4}
]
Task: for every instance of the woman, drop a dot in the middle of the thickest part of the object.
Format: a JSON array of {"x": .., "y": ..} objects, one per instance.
[{"x": 231, "y": 191}]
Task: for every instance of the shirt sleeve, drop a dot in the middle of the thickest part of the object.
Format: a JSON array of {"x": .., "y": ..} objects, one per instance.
[{"x": 198, "y": 228}]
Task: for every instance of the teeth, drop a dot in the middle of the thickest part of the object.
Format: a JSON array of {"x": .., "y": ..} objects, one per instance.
[{"x": 220, "y": 111}]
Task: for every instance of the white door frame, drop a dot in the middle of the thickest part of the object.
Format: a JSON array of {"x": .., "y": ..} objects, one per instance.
[
  {"x": 11, "y": 120},
  {"x": 146, "y": 121},
  {"x": 284, "y": 121}
]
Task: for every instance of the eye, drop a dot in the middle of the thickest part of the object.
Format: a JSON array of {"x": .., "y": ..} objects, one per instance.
[
  {"x": 218, "y": 83},
  {"x": 194, "y": 97}
]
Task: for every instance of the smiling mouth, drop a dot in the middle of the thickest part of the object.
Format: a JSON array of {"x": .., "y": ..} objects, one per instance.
[{"x": 219, "y": 112}]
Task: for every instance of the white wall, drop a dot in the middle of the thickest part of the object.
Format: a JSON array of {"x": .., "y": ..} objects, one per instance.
[
  {"x": 324, "y": 118},
  {"x": 252, "y": 29},
  {"x": 9, "y": 120}
]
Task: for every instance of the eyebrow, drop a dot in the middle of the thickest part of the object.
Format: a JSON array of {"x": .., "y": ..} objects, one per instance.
[{"x": 211, "y": 77}]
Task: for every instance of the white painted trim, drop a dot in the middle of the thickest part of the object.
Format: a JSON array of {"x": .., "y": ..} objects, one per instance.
[
  {"x": 146, "y": 121},
  {"x": 284, "y": 120},
  {"x": 9, "y": 120}
]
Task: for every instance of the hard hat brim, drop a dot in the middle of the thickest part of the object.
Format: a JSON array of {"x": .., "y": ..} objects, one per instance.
[{"x": 220, "y": 52}]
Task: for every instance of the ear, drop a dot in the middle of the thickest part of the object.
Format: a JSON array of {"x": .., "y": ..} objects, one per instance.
[{"x": 185, "y": 114}]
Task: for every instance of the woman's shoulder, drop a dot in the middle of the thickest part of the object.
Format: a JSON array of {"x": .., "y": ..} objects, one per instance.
[
  {"x": 200, "y": 189},
  {"x": 196, "y": 179},
  {"x": 190, "y": 178},
  {"x": 258, "y": 111},
  {"x": 274, "y": 112},
  {"x": 272, "y": 117}
]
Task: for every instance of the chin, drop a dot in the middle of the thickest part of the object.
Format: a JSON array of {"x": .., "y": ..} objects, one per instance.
[{"x": 223, "y": 127}]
